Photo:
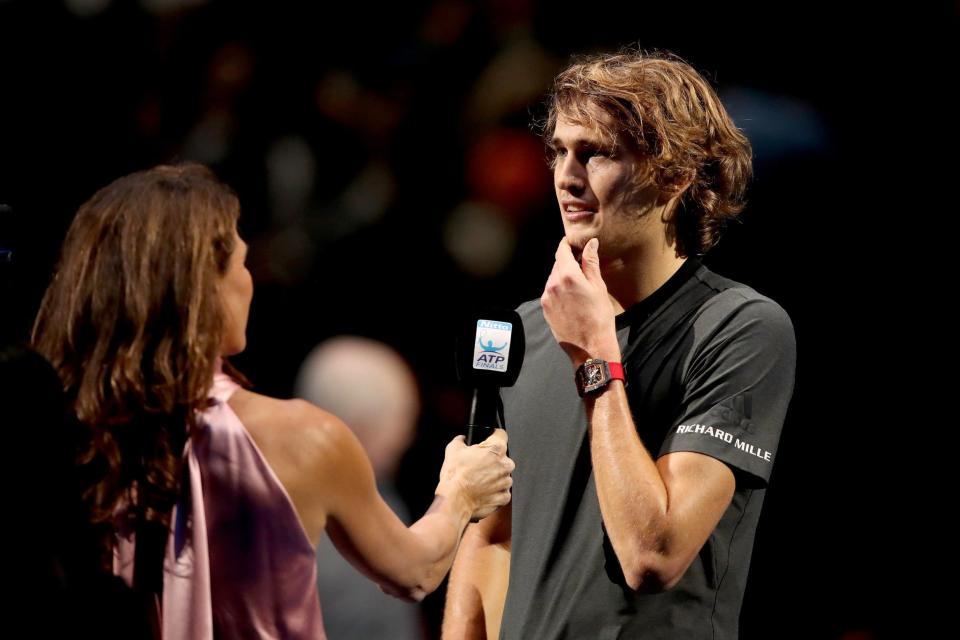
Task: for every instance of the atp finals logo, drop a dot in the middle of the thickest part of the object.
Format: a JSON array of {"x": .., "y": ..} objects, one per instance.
[{"x": 492, "y": 350}]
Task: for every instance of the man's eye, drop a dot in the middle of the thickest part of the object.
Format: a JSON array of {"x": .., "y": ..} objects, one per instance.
[{"x": 587, "y": 154}]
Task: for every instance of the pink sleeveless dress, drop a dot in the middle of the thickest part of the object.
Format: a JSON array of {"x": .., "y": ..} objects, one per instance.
[{"x": 239, "y": 563}]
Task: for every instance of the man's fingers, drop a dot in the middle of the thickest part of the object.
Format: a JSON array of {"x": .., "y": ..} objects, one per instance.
[
  {"x": 590, "y": 260},
  {"x": 564, "y": 254}
]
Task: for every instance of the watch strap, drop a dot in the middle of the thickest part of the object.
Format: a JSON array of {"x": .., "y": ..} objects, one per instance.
[{"x": 616, "y": 371}]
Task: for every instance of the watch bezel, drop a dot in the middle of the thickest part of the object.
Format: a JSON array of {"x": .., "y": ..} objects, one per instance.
[{"x": 585, "y": 388}]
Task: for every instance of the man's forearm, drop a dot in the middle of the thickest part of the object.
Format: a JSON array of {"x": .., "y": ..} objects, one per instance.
[
  {"x": 658, "y": 513},
  {"x": 632, "y": 494}
]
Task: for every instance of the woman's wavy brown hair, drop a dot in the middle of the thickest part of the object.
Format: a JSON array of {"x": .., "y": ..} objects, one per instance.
[
  {"x": 666, "y": 111},
  {"x": 133, "y": 322}
]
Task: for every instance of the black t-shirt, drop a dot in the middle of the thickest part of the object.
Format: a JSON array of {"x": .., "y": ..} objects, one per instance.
[{"x": 710, "y": 368}]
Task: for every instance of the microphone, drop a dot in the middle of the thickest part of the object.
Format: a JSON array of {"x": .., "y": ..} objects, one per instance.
[{"x": 489, "y": 352}]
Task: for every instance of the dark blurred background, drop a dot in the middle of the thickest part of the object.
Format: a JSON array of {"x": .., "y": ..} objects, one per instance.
[{"x": 389, "y": 177}]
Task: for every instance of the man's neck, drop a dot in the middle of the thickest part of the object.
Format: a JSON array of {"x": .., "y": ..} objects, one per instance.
[{"x": 633, "y": 277}]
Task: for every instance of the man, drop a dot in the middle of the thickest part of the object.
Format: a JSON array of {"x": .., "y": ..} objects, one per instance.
[{"x": 634, "y": 506}]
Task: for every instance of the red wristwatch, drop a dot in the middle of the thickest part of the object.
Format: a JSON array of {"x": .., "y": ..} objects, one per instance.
[{"x": 594, "y": 375}]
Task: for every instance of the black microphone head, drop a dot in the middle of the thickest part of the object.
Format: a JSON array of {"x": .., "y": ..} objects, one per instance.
[{"x": 490, "y": 348}]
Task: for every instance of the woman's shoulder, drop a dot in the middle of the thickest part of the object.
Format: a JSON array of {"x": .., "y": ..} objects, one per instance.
[
  {"x": 310, "y": 450},
  {"x": 292, "y": 430}
]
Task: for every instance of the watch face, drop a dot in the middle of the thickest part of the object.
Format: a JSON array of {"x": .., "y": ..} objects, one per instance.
[{"x": 593, "y": 374}]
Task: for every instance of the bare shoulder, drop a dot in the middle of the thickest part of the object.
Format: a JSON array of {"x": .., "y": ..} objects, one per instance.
[
  {"x": 311, "y": 451},
  {"x": 294, "y": 432}
]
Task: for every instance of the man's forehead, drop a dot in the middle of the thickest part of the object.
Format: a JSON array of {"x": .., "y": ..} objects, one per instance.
[{"x": 587, "y": 130}]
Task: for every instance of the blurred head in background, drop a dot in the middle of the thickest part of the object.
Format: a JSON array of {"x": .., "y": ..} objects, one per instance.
[{"x": 369, "y": 386}]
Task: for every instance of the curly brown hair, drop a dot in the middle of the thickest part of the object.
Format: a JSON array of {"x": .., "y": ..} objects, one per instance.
[
  {"x": 671, "y": 115},
  {"x": 133, "y": 323}
]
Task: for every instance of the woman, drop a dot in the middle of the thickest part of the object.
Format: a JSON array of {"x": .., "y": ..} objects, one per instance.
[{"x": 199, "y": 489}]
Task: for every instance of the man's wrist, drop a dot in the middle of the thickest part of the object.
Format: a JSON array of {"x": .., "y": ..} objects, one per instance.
[{"x": 610, "y": 354}]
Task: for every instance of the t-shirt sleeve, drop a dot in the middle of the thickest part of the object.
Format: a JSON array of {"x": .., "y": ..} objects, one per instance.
[{"x": 737, "y": 384}]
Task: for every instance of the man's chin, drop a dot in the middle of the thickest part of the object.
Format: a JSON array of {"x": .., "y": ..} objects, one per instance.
[{"x": 577, "y": 242}]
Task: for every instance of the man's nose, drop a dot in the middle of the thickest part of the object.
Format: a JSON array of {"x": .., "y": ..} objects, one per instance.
[{"x": 570, "y": 175}]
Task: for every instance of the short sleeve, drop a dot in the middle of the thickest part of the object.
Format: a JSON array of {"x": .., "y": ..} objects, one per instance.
[{"x": 737, "y": 383}]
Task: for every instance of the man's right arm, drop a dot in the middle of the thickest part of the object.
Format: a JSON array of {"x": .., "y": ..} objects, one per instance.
[{"x": 478, "y": 582}]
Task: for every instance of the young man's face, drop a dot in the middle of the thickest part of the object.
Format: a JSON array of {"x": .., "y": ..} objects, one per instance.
[{"x": 601, "y": 191}]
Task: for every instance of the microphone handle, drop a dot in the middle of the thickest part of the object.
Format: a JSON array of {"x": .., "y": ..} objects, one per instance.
[
  {"x": 476, "y": 433},
  {"x": 483, "y": 414}
]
